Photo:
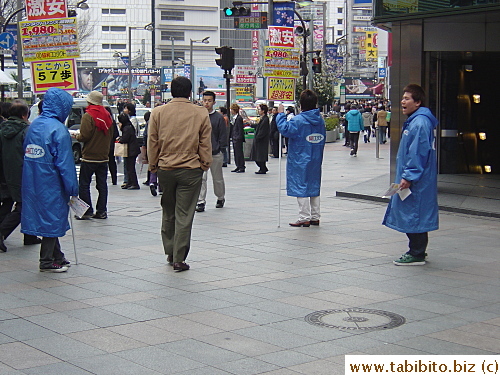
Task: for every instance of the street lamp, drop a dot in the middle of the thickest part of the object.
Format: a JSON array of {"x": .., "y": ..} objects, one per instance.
[
  {"x": 148, "y": 27},
  {"x": 172, "y": 52},
  {"x": 191, "y": 67},
  {"x": 79, "y": 5}
]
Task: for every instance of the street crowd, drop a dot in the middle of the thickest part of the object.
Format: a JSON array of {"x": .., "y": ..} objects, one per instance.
[{"x": 182, "y": 142}]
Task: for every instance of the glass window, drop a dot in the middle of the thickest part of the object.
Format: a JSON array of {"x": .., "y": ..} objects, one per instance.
[
  {"x": 340, "y": 21},
  {"x": 340, "y": 32},
  {"x": 117, "y": 11},
  {"x": 118, "y": 28},
  {"x": 172, "y": 15},
  {"x": 177, "y": 35},
  {"x": 167, "y": 55},
  {"x": 340, "y": 10},
  {"x": 114, "y": 46}
]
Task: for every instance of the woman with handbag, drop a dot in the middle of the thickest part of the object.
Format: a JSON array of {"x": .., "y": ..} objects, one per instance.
[{"x": 129, "y": 139}]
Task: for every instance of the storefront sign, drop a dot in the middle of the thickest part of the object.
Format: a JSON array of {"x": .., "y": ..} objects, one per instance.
[
  {"x": 281, "y": 62},
  {"x": 281, "y": 36},
  {"x": 245, "y": 74}
]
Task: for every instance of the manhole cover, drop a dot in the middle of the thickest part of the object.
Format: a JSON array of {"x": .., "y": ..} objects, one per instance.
[{"x": 355, "y": 319}]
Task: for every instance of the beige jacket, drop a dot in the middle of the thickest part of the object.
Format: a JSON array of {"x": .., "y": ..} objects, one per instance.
[
  {"x": 179, "y": 136},
  {"x": 382, "y": 118}
]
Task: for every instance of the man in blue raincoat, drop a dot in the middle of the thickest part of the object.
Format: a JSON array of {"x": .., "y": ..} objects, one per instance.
[
  {"x": 306, "y": 133},
  {"x": 416, "y": 169},
  {"x": 49, "y": 179}
]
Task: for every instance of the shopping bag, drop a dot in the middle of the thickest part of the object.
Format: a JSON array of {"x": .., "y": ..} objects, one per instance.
[{"x": 121, "y": 149}]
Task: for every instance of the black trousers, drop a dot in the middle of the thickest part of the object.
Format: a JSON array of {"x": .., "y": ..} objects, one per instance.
[
  {"x": 262, "y": 166},
  {"x": 50, "y": 251},
  {"x": 87, "y": 170},
  {"x": 11, "y": 221},
  {"x": 239, "y": 159},
  {"x": 418, "y": 244},
  {"x": 132, "y": 175},
  {"x": 354, "y": 141},
  {"x": 113, "y": 169}
]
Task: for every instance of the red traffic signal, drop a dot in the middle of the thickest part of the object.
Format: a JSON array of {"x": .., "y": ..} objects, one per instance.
[{"x": 316, "y": 64}]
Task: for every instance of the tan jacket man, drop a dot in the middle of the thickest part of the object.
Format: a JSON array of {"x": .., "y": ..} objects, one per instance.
[{"x": 179, "y": 150}]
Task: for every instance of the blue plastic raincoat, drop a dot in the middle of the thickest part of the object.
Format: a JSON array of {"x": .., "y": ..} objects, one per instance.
[
  {"x": 49, "y": 174},
  {"x": 416, "y": 162},
  {"x": 306, "y": 133}
]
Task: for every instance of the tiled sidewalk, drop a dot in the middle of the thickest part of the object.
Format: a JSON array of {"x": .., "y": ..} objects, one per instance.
[{"x": 241, "y": 308}]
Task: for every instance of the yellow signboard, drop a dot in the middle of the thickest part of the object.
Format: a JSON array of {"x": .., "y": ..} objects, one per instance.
[
  {"x": 281, "y": 89},
  {"x": 54, "y": 73},
  {"x": 49, "y": 39},
  {"x": 281, "y": 62},
  {"x": 371, "y": 46}
]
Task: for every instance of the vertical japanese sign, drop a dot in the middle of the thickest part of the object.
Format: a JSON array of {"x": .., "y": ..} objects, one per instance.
[
  {"x": 281, "y": 36},
  {"x": 283, "y": 14},
  {"x": 255, "y": 47},
  {"x": 282, "y": 89},
  {"x": 46, "y": 9},
  {"x": 54, "y": 73},
  {"x": 371, "y": 46}
]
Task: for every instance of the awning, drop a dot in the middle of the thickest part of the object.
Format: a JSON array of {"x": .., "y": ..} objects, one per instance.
[{"x": 5, "y": 79}]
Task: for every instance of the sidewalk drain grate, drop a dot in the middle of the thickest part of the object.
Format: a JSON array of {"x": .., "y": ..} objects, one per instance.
[{"x": 355, "y": 319}]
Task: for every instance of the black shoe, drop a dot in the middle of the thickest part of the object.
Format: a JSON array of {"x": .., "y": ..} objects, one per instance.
[
  {"x": 352, "y": 152},
  {"x": 124, "y": 186},
  {"x": 146, "y": 183},
  {"x": 63, "y": 262},
  {"x": 137, "y": 187},
  {"x": 235, "y": 170},
  {"x": 240, "y": 171},
  {"x": 84, "y": 217},
  {"x": 154, "y": 193},
  {"x": 54, "y": 268},
  {"x": 32, "y": 240},
  {"x": 224, "y": 165},
  {"x": 3, "y": 248},
  {"x": 260, "y": 172},
  {"x": 200, "y": 207},
  {"x": 220, "y": 203},
  {"x": 100, "y": 215},
  {"x": 181, "y": 266}
]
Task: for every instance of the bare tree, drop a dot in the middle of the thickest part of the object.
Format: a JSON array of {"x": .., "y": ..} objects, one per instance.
[
  {"x": 85, "y": 31},
  {"x": 7, "y": 7}
]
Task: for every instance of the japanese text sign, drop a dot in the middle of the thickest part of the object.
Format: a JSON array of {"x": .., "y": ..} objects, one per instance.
[
  {"x": 281, "y": 89},
  {"x": 284, "y": 14},
  {"x": 256, "y": 20},
  {"x": 281, "y": 36},
  {"x": 245, "y": 74},
  {"x": 281, "y": 62},
  {"x": 49, "y": 39},
  {"x": 45, "y": 9},
  {"x": 54, "y": 73}
]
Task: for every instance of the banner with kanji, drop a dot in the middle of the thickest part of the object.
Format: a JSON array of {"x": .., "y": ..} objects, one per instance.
[
  {"x": 280, "y": 36},
  {"x": 282, "y": 89},
  {"x": 283, "y": 14},
  {"x": 45, "y": 9}
]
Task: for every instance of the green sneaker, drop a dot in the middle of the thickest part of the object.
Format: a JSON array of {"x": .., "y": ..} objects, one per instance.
[{"x": 409, "y": 260}]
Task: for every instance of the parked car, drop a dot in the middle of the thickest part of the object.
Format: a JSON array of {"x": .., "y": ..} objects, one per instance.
[{"x": 74, "y": 120}]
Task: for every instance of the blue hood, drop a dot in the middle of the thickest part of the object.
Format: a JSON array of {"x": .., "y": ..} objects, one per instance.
[
  {"x": 57, "y": 103},
  {"x": 423, "y": 111},
  {"x": 312, "y": 117}
]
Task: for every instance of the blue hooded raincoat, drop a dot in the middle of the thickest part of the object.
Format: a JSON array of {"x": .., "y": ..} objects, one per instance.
[
  {"x": 416, "y": 162},
  {"x": 306, "y": 133},
  {"x": 49, "y": 174}
]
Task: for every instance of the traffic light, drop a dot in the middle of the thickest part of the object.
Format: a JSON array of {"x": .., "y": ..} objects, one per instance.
[
  {"x": 226, "y": 60},
  {"x": 316, "y": 64},
  {"x": 236, "y": 11}
]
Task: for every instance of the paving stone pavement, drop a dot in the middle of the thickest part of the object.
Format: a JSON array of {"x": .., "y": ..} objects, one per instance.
[{"x": 241, "y": 308}]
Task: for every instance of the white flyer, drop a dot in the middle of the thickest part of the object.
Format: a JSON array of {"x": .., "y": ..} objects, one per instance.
[{"x": 78, "y": 206}]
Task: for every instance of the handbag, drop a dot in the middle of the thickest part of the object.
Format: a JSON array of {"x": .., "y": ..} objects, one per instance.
[{"x": 121, "y": 149}]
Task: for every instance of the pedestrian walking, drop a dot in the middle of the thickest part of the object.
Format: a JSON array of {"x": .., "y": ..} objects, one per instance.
[
  {"x": 355, "y": 125},
  {"x": 180, "y": 149},
  {"x": 260, "y": 146},
  {"x": 416, "y": 169},
  {"x": 219, "y": 141},
  {"x": 238, "y": 136},
  {"x": 96, "y": 133},
  {"x": 49, "y": 179},
  {"x": 129, "y": 138}
]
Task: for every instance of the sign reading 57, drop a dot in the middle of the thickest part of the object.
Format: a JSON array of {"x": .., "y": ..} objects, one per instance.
[{"x": 54, "y": 73}]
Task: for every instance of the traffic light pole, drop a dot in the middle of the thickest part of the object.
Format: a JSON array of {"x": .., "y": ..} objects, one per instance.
[{"x": 227, "y": 76}]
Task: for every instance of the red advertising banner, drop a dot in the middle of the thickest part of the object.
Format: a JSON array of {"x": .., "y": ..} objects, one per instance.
[
  {"x": 255, "y": 47},
  {"x": 280, "y": 36},
  {"x": 46, "y": 9}
]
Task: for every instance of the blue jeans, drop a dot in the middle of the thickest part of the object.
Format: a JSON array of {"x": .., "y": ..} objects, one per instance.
[{"x": 101, "y": 173}]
